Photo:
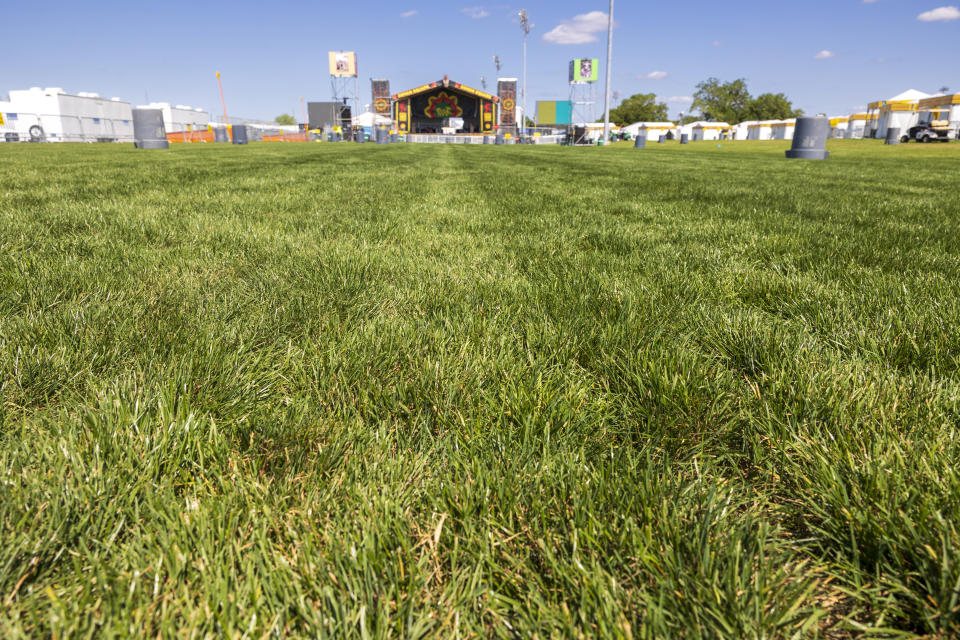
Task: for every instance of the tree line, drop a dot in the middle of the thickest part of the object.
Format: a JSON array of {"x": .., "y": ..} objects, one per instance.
[{"x": 713, "y": 100}]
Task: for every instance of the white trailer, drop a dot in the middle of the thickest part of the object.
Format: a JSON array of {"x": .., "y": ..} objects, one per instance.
[
  {"x": 180, "y": 118},
  {"x": 56, "y": 116}
]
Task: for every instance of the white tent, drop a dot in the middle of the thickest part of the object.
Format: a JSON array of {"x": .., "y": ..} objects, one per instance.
[
  {"x": 783, "y": 130},
  {"x": 859, "y": 125},
  {"x": 838, "y": 126},
  {"x": 900, "y": 111},
  {"x": 910, "y": 95},
  {"x": 652, "y": 130},
  {"x": 741, "y": 131},
  {"x": 371, "y": 119},
  {"x": 708, "y": 130},
  {"x": 942, "y": 107},
  {"x": 762, "y": 130}
]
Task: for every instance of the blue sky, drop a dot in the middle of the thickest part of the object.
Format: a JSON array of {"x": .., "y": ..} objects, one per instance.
[{"x": 827, "y": 56}]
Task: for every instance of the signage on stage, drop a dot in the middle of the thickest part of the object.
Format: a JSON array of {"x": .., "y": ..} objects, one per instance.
[
  {"x": 380, "y": 90},
  {"x": 507, "y": 90}
]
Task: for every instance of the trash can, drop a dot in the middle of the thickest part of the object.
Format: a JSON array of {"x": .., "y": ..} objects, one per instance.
[
  {"x": 810, "y": 139},
  {"x": 148, "y": 129},
  {"x": 240, "y": 134}
]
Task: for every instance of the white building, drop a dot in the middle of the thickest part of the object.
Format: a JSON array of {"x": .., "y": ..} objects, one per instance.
[
  {"x": 708, "y": 130},
  {"x": 180, "y": 118},
  {"x": 56, "y": 116}
]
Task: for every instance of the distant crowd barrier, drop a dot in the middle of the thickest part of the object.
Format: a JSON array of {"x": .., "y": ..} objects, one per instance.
[
  {"x": 423, "y": 138},
  {"x": 220, "y": 134}
]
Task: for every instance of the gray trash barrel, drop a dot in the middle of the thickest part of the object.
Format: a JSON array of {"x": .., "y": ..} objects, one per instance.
[
  {"x": 810, "y": 139},
  {"x": 640, "y": 142},
  {"x": 220, "y": 135},
  {"x": 239, "y": 133},
  {"x": 684, "y": 138},
  {"x": 662, "y": 140},
  {"x": 893, "y": 135},
  {"x": 499, "y": 139},
  {"x": 487, "y": 140},
  {"x": 148, "y": 129},
  {"x": 394, "y": 137}
]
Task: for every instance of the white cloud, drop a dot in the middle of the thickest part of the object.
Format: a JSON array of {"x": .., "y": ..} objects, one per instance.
[
  {"x": 823, "y": 55},
  {"x": 475, "y": 12},
  {"x": 940, "y": 14},
  {"x": 717, "y": 43},
  {"x": 580, "y": 30},
  {"x": 408, "y": 14},
  {"x": 680, "y": 99},
  {"x": 656, "y": 75}
]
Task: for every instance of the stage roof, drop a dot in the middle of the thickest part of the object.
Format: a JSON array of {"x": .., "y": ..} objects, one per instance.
[{"x": 446, "y": 83}]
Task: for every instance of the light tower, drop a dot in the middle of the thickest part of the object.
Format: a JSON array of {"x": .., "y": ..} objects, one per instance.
[
  {"x": 526, "y": 26},
  {"x": 606, "y": 92}
]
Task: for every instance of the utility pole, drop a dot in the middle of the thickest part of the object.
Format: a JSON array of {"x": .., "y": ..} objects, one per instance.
[
  {"x": 525, "y": 24},
  {"x": 606, "y": 98}
]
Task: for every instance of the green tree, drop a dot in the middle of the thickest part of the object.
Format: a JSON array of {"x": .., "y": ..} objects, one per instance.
[
  {"x": 285, "y": 118},
  {"x": 772, "y": 106},
  {"x": 722, "y": 101},
  {"x": 640, "y": 107}
]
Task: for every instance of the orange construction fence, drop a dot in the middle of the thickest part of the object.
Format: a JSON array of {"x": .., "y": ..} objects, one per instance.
[
  {"x": 203, "y": 135},
  {"x": 287, "y": 137}
]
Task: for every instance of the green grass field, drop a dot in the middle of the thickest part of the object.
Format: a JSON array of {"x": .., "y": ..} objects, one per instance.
[{"x": 454, "y": 391}]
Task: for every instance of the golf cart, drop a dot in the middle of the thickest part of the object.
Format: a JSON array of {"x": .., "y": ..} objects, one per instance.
[{"x": 937, "y": 130}]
